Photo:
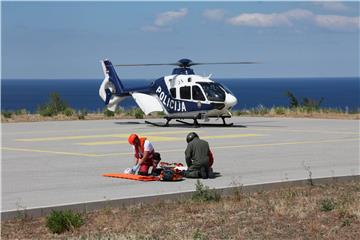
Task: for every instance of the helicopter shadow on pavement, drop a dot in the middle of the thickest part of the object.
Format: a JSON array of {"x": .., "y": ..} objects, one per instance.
[
  {"x": 128, "y": 123},
  {"x": 183, "y": 124}
]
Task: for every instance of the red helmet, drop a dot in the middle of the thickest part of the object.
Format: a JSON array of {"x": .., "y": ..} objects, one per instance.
[{"x": 132, "y": 138}]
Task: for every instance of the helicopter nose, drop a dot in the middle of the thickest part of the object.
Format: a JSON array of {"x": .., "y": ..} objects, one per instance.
[{"x": 230, "y": 100}]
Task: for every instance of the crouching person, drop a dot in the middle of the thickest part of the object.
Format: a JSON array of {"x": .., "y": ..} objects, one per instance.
[
  {"x": 198, "y": 157},
  {"x": 144, "y": 155}
]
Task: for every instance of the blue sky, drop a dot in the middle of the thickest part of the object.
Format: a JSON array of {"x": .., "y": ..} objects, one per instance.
[{"x": 290, "y": 39}]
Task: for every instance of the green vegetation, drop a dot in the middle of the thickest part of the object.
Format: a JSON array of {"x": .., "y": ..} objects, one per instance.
[
  {"x": 327, "y": 205},
  {"x": 204, "y": 194},
  {"x": 6, "y": 114},
  {"x": 108, "y": 113},
  {"x": 54, "y": 106},
  {"x": 306, "y": 103},
  {"x": 61, "y": 221}
]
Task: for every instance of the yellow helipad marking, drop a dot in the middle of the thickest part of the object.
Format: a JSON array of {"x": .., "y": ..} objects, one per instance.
[
  {"x": 244, "y": 146},
  {"x": 180, "y": 149},
  {"x": 47, "y": 151},
  {"x": 286, "y": 143},
  {"x": 151, "y": 138},
  {"x": 121, "y": 135},
  {"x": 303, "y": 131},
  {"x": 168, "y": 139}
]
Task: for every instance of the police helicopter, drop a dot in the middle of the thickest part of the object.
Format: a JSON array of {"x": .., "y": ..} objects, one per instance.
[{"x": 181, "y": 95}]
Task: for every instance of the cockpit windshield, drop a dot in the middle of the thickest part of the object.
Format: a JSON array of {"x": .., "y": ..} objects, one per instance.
[
  {"x": 213, "y": 91},
  {"x": 227, "y": 90}
]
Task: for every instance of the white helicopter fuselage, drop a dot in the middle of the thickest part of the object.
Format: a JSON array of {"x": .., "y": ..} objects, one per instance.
[{"x": 178, "y": 85}]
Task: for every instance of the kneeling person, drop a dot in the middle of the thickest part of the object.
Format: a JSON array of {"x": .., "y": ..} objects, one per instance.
[
  {"x": 198, "y": 157},
  {"x": 144, "y": 155}
]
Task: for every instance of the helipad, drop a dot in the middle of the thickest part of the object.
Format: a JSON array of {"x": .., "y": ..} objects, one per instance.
[{"x": 59, "y": 163}]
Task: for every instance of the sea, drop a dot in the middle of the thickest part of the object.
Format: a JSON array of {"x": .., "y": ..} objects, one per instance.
[{"x": 340, "y": 92}]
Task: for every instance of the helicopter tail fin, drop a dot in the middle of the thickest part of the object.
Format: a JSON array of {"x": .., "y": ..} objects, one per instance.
[{"x": 111, "y": 91}]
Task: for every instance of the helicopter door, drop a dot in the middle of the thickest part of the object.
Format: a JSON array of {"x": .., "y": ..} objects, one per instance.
[
  {"x": 185, "y": 92},
  {"x": 197, "y": 94}
]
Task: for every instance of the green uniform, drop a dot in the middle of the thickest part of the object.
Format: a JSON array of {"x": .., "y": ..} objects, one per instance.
[{"x": 197, "y": 156}]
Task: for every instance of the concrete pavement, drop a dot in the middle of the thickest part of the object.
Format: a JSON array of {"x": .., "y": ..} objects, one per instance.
[{"x": 60, "y": 163}]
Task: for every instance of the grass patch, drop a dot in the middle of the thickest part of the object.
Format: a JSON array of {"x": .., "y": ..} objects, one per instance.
[
  {"x": 327, "y": 205},
  {"x": 204, "y": 193},
  {"x": 61, "y": 221}
]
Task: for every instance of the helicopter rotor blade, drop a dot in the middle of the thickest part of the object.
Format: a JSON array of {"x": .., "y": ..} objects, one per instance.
[
  {"x": 218, "y": 63},
  {"x": 183, "y": 63},
  {"x": 145, "y": 64}
]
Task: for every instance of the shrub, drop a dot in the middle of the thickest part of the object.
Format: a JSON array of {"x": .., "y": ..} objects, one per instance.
[
  {"x": 108, "y": 113},
  {"x": 327, "y": 205},
  {"x": 61, "y": 221},
  {"x": 204, "y": 194},
  {"x": 138, "y": 113},
  {"x": 54, "y": 106},
  {"x": 7, "y": 114},
  {"x": 68, "y": 112},
  {"x": 280, "y": 110},
  {"x": 46, "y": 111},
  {"x": 20, "y": 112},
  {"x": 119, "y": 111},
  {"x": 82, "y": 114}
]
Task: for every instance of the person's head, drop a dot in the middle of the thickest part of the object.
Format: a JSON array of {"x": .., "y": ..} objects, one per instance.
[
  {"x": 133, "y": 139},
  {"x": 191, "y": 136}
]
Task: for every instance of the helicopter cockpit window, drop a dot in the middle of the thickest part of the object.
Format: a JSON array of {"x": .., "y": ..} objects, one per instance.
[
  {"x": 213, "y": 91},
  {"x": 173, "y": 92},
  {"x": 197, "y": 93},
  {"x": 185, "y": 93},
  {"x": 227, "y": 90}
]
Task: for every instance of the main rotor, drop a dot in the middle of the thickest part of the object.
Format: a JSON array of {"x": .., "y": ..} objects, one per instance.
[{"x": 183, "y": 65}]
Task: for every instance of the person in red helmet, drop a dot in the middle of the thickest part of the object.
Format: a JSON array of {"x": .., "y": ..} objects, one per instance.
[{"x": 144, "y": 155}]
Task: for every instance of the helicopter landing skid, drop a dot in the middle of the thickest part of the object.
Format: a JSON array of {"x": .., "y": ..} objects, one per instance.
[
  {"x": 160, "y": 125},
  {"x": 197, "y": 124}
]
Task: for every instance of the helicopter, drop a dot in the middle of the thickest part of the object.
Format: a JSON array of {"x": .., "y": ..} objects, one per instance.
[{"x": 181, "y": 95}]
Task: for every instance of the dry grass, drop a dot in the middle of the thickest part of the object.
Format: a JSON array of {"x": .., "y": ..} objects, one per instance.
[
  {"x": 287, "y": 213},
  {"x": 101, "y": 116}
]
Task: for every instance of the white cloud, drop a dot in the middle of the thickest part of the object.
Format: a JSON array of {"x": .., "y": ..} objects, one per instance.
[
  {"x": 214, "y": 14},
  {"x": 337, "y": 22},
  {"x": 332, "y": 5},
  {"x": 298, "y": 14},
  {"x": 166, "y": 18},
  {"x": 292, "y": 17},
  {"x": 270, "y": 20},
  {"x": 163, "y": 21}
]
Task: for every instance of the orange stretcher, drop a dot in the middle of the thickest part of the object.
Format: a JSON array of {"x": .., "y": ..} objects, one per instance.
[{"x": 132, "y": 177}]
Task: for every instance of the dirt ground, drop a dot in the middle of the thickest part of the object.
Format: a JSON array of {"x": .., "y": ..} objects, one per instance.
[{"x": 329, "y": 211}]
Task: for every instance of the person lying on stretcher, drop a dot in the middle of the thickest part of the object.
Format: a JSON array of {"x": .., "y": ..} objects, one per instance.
[{"x": 144, "y": 156}]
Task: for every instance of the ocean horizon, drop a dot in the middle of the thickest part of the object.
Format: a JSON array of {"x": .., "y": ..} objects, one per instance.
[{"x": 337, "y": 92}]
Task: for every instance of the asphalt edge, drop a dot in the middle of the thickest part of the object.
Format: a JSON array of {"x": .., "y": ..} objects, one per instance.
[{"x": 89, "y": 206}]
